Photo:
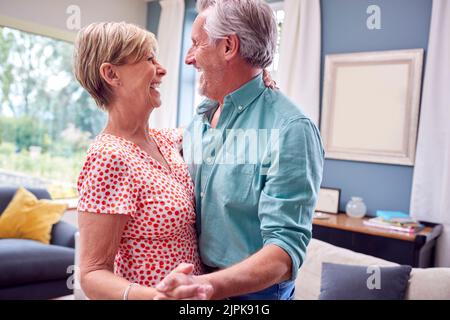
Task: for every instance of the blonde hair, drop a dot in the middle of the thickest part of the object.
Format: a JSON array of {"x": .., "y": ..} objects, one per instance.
[{"x": 115, "y": 42}]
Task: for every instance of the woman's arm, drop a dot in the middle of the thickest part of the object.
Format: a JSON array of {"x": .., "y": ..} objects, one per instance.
[{"x": 100, "y": 236}]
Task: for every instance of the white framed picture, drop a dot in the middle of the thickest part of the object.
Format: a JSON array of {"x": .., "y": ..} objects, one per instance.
[
  {"x": 370, "y": 106},
  {"x": 328, "y": 200}
]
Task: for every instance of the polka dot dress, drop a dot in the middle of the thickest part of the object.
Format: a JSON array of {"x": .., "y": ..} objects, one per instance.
[{"x": 118, "y": 177}]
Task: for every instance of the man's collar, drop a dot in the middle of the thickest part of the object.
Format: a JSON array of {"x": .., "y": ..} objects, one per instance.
[
  {"x": 206, "y": 105},
  {"x": 240, "y": 98}
]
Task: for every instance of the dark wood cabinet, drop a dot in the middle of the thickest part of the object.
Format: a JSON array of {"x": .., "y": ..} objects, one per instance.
[{"x": 416, "y": 250}]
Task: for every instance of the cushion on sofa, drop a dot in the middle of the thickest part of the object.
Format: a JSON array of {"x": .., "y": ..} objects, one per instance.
[
  {"x": 27, "y": 217},
  {"x": 347, "y": 282},
  {"x": 26, "y": 261},
  {"x": 307, "y": 285},
  {"x": 430, "y": 283}
]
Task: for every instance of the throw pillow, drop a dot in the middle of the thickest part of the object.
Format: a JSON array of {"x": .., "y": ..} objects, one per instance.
[
  {"x": 26, "y": 217},
  {"x": 349, "y": 282}
]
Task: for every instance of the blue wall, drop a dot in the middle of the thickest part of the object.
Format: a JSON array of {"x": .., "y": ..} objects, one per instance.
[{"x": 404, "y": 25}]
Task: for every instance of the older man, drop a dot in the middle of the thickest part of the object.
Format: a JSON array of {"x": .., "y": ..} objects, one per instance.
[{"x": 255, "y": 197}]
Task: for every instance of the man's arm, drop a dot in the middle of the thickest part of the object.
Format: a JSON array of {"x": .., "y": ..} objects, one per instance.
[
  {"x": 269, "y": 266},
  {"x": 285, "y": 211}
]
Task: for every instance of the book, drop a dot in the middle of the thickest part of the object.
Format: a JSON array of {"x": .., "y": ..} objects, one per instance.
[
  {"x": 410, "y": 227},
  {"x": 390, "y": 215}
]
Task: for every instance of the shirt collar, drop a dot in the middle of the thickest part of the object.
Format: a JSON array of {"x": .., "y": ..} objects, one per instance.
[
  {"x": 241, "y": 97},
  {"x": 206, "y": 105}
]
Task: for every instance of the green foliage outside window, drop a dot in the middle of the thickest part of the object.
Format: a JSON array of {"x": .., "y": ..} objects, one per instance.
[{"x": 47, "y": 120}]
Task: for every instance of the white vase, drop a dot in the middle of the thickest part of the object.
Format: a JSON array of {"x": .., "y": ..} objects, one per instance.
[{"x": 356, "y": 208}]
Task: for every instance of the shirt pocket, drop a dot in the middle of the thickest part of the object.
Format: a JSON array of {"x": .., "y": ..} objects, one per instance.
[{"x": 238, "y": 180}]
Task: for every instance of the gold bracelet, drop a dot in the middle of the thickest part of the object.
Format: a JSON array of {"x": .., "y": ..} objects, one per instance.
[{"x": 127, "y": 290}]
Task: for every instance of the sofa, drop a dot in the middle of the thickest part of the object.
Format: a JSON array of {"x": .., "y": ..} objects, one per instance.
[
  {"x": 424, "y": 284},
  {"x": 30, "y": 269}
]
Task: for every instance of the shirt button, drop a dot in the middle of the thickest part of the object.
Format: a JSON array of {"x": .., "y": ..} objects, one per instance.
[
  {"x": 209, "y": 160},
  {"x": 240, "y": 108},
  {"x": 202, "y": 194}
]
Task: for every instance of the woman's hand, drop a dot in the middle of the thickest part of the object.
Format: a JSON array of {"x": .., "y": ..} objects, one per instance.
[
  {"x": 268, "y": 81},
  {"x": 180, "y": 284}
]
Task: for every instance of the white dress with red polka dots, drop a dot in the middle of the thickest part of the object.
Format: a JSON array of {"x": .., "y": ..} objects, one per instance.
[{"x": 118, "y": 177}]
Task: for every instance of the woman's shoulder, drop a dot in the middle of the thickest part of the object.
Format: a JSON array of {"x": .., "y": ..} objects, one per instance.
[{"x": 107, "y": 146}]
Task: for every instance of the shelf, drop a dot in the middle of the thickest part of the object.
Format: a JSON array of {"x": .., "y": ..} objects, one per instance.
[{"x": 343, "y": 222}]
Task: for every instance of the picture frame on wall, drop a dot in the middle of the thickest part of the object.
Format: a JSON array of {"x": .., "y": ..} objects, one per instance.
[
  {"x": 370, "y": 106},
  {"x": 328, "y": 200}
]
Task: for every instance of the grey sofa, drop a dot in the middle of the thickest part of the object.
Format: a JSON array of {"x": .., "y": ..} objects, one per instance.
[
  {"x": 30, "y": 269},
  {"x": 424, "y": 283}
]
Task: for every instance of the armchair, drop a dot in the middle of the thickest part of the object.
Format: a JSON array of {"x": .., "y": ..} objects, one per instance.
[{"x": 30, "y": 269}]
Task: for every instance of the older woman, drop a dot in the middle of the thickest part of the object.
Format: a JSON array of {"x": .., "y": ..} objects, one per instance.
[{"x": 136, "y": 208}]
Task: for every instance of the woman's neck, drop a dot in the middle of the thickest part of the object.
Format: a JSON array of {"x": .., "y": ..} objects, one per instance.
[{"x": 127, "y": 123}]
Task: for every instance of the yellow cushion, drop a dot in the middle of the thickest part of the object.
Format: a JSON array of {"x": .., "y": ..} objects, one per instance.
[{"x": 26, "y": 217}]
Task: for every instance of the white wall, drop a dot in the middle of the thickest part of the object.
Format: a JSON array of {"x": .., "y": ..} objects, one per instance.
[{"x": 49, "y": 17}]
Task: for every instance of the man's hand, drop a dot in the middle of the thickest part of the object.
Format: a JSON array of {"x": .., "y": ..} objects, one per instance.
[
  {"x": 268, "y": 81},
  {"x": 180, "y": 284}
]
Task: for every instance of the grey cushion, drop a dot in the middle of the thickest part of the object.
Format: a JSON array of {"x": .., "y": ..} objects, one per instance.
[
  {"x": 26, "y": 261},
  {"x": 349, "y": 282}
]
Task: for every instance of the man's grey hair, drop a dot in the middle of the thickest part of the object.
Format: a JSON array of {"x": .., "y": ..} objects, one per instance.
[{"x": 253, "y": 21}]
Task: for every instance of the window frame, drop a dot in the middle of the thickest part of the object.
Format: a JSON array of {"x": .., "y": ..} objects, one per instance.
[{"x": 37, "y": 29}]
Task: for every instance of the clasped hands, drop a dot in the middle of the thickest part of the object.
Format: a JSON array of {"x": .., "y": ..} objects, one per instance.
[{"x": 181, "y": 284}]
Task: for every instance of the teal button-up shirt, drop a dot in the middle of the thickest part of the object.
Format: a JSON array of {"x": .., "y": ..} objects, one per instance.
[{"x": 257, "y": 175}]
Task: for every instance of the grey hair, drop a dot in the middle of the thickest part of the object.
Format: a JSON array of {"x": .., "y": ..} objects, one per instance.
[{"x": 251, "y": 20}]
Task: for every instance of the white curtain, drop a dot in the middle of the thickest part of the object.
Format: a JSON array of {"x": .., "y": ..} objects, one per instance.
[
  {"x": 170, "y": 32},
  {"x": 430, "y": 199},
  {"x": 299, "y": 66}
]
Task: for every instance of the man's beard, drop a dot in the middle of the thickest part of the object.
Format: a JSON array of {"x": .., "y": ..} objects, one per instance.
[
  {"x": 202, "y": 88},
  {"x": 208, "y": 88}
]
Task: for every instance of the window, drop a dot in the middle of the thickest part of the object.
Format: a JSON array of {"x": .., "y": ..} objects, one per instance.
[
  {"x": 277, "y": 8},
  {"x": 47, "y": 120}
]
